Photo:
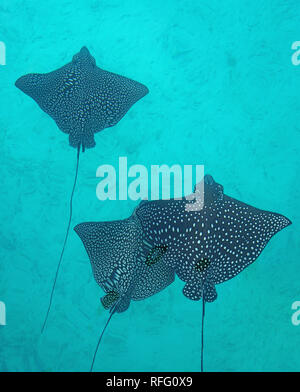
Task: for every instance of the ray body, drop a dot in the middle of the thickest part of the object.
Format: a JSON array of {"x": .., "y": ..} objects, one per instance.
[
  {"x": 137, "y": 257},
  {"x": 212, "y": 245},
  {"x": 120, "y": 266},
  {"x": 82, "y": 98}
]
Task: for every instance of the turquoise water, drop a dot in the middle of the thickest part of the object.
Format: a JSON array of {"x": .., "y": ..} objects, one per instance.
[{"x": 223, "y": 93}]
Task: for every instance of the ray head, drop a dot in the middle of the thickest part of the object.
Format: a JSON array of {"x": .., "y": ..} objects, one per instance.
[{"x": 84, "y": 58}]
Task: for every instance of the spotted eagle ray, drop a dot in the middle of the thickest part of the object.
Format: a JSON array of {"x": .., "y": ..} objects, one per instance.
[
  {"x": 82, "y": 99},
  {"x": 120, "y": 266},
  {"x": 137, "y": 257}
]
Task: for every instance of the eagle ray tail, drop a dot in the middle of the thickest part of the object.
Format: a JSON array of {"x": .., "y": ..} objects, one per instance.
[
  {"x": 202, "y": 332},
  {"x": 65, "y": 241},
  {"x": 100, "y": 338}
]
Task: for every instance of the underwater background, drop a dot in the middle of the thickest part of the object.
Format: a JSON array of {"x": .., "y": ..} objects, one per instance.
[{"x": 223, "y": 93}]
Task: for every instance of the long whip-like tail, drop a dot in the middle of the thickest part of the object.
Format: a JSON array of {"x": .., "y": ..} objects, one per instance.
[
  {"x": 202, "y": 333},
  {"x": 65, "y": 241},
  {"x": 100, "y": 338}
]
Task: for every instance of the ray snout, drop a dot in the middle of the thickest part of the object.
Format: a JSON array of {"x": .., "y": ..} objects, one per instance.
[{"x": 84, "y": 51}]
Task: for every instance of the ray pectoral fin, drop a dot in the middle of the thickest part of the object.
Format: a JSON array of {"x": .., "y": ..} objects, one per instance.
[
  {"x": 31, "y": 85},
  {"x": 155, "y": 278},
  {"x": 155, "y": 274}
]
